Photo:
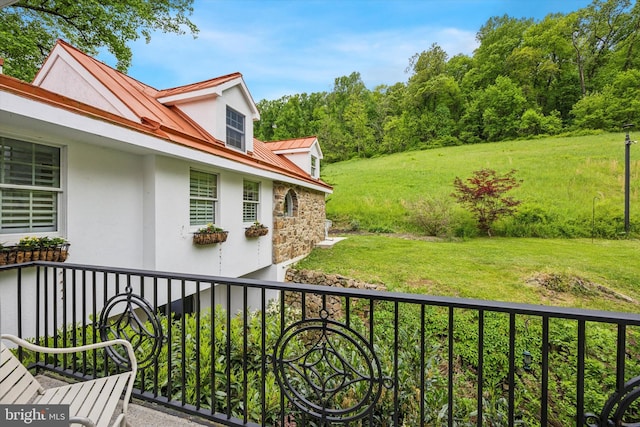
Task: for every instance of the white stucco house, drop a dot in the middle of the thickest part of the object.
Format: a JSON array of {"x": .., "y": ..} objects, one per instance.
[{"x": 127, "y": 173}]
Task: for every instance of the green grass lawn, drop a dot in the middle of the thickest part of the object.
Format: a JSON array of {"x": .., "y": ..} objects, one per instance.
[
  {"x": 491, "y": 268},
  {"x": 566, "y": 178}
]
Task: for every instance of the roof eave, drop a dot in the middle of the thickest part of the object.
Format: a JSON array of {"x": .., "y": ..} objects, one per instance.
[{"x": 152, "y": 128}]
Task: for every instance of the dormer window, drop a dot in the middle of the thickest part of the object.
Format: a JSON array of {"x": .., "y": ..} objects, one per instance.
[
  {"x": 235, "y": 129},
  {"x": 314, "y": 166}
]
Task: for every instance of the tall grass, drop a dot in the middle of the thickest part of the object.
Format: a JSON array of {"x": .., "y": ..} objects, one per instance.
[{"x": 572, "y": 186}]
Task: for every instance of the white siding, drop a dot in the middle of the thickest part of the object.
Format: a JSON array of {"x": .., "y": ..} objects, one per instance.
[
  {"x": 104, "y": 206},
  {"x": 203, "y": 112}
]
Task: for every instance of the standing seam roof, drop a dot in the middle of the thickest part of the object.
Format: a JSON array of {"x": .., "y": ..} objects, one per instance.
[{"x": 187, "y": 134}]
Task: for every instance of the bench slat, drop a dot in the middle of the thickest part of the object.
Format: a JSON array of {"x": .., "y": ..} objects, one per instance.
[{"x": 95, "y": 400}]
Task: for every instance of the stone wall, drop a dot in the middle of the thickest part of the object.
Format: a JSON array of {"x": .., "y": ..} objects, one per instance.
[
  {"x": 297, "y": 234},
  {"x": 313, "y": 302}
]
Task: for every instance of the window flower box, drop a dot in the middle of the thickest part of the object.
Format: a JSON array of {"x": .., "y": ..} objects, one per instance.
[
  {"x": 209, "y": 235},
  {"x": 35, "y": 249},
  {"x": 256, "y": 230}
]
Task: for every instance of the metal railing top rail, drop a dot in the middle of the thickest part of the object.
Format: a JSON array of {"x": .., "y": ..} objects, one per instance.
[{"x": 401, "y": 297}]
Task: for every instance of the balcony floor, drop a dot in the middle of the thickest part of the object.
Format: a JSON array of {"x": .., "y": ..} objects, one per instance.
[{"x": 143, "y": 414}]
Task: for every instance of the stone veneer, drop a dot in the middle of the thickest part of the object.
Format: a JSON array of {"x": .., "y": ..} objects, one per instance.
[
  {"x": 314, "y": 303},
  {"x": 296, "y": 235}
]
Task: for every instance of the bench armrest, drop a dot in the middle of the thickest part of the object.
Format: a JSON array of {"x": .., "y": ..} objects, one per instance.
[
  {"x": 49, "y": 350},
  {"x": 65, "y": 350}
]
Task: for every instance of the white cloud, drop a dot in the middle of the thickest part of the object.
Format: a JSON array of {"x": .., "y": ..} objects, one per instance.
[{"x": 276, "y": 62}]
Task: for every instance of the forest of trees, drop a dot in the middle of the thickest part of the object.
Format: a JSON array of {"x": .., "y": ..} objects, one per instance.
[{"x": 565, "y": 73}]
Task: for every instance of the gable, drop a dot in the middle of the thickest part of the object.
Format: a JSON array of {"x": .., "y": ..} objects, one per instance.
[
  {"x": 316, "y": 151},
  {"x": 303, "y": 152},
  {"x": 62, "y": 74},
  {"x": 192, "y": 116},
  {"x": 210, "y": 111}
]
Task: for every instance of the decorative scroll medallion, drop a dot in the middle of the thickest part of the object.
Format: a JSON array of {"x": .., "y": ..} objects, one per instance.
[
  {"x": 618, "y": 410},
  {"x": 131, "y": 317},
  {"x": 328, "y": 370}
]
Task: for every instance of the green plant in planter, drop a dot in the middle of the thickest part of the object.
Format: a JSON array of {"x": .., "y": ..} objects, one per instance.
[
  {"x": 256, "y": 229},
  {"x": 26, "y": 248},
  {"x": 210, "y": 228},
  {"x": 52, "y": 242},
  {"x": 209, "y": 234},
  {"x": 29, "y": 243}
]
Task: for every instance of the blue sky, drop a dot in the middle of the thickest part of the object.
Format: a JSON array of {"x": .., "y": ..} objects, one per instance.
[{"x": 284, "y": 47}]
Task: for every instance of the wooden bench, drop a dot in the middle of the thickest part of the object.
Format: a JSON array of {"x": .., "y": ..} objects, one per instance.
[{"x": 91, "y": 403}]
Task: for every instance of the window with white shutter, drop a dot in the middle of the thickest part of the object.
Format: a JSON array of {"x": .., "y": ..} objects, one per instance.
[
  {"x": 203, "y": 193},
  {"x": 250, "y": 201},
  {"x": 29, "y": 186}
]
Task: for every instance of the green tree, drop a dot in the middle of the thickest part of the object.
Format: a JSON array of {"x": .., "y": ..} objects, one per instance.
[
  {"x": 428, "y": 64},
  {"x": 358, "y": 125},
  {"x": 433, "y": 97},
  {"x": 400, "y": 133},
  {"x": 484, "y": 194},
  {"x": 264, "y": 129},
  {"x": 624, "y": 99},
  {"x": 494, "y": 113},
  {"x": 498, "y": 38},
  {"x": 553, "y": 76},
  {"x": 30, "y": 28},
  {"x": 618, "y": 103},
  {"x": 544, "y": 65},
  {"x": 526, "y": 78},
  {"x": 598, "y": 29},
  {"x": 627, "y": 55},
  {"x": 591, "y": 112},
  {"x": 458, "y": 66},
  {"x": 535, "y": 123}
]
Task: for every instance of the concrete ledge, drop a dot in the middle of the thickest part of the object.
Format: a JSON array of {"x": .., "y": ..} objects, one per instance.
[{"x": 328, "y": 243}]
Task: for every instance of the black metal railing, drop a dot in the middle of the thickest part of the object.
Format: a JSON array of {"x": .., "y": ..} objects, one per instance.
[{"x": 246, "y": 352}]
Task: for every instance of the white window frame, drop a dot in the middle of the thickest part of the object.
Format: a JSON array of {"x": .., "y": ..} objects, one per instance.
[
  {"x": 314, "y": 166},
  {"x": 45, "y": 180},
  {"x": 236, "y": 129},
  {"x": 250, "y": 201},
  {"x": 199, "y": 197},
  {"x": 290, "y": 204}
]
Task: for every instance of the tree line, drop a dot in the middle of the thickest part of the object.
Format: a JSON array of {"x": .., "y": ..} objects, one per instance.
[{"x": 564, "y": 73}]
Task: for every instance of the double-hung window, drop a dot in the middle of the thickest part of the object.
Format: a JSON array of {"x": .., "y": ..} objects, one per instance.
[
  {"x": 203, "y": 195},
  {"x": 314, "y": 166},
  {"x": 29, "y": 187},
  {"x": 250, "y": 201},
  {"x": 235, "y": 129}
]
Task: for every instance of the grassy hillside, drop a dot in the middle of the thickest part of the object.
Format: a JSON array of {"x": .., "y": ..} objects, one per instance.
[{"x": 564, "y": 181}]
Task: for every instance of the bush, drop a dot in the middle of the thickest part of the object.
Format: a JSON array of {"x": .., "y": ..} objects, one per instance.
[
  {"x": 432, "y": 216},
  {"x": 529, "y": 221},
  {"x": 226, "y": 349},
  {"x": 484, "y": 195},
  {"x": 533, "y": 220}
]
